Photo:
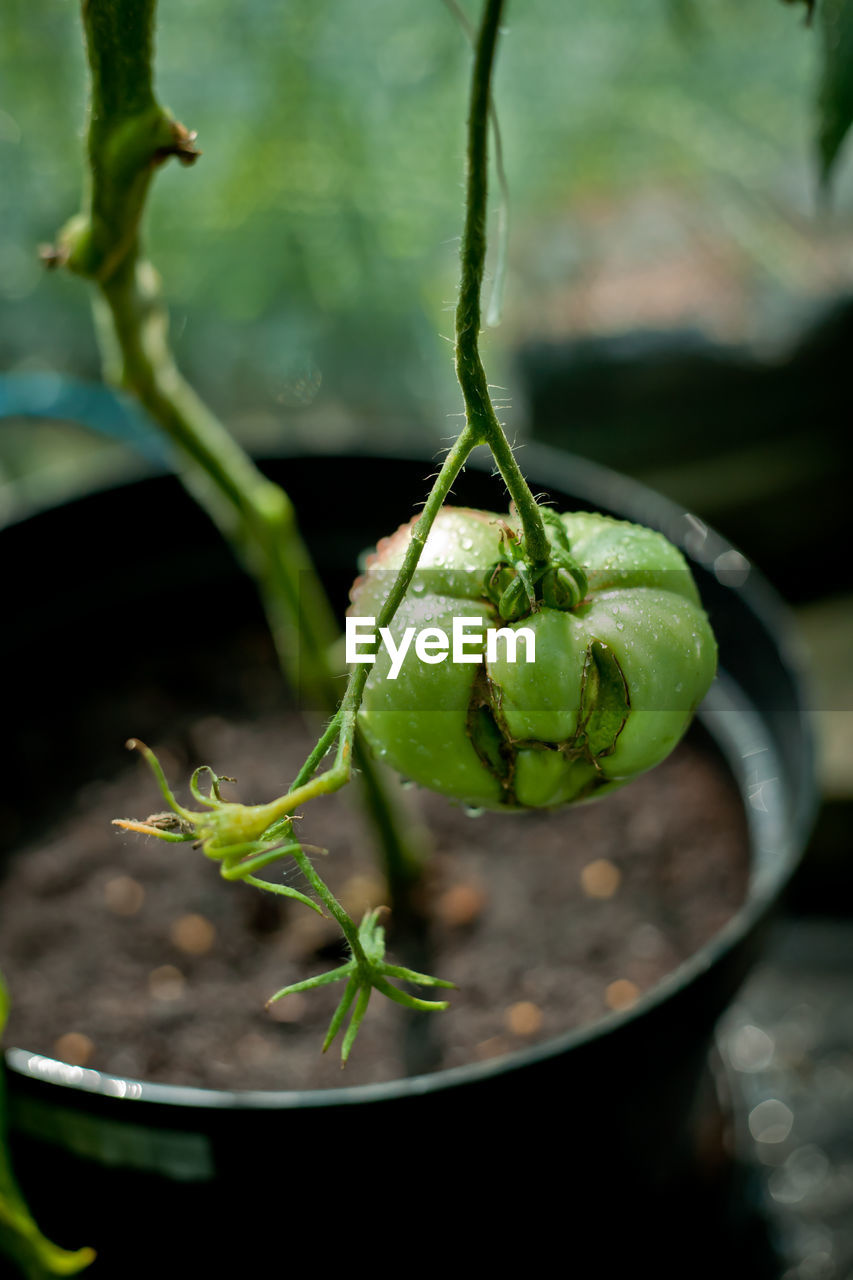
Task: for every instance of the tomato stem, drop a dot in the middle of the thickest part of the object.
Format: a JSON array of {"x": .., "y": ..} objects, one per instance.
[{"x": 479, "y": 410}]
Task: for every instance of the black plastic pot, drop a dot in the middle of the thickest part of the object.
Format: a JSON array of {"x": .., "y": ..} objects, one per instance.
[{"x": 593, "y": 1141}]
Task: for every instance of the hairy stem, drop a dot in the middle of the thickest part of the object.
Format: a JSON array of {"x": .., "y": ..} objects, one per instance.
[
  {"x": 496, "y": 300},
  {"x": 348, "y": 927},
  {"x": 479, "y": 411}
]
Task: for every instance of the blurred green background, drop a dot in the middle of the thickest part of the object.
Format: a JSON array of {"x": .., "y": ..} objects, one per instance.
[
  {"x": 659, "y": 155},
  {"x": 677, "y": 303}
]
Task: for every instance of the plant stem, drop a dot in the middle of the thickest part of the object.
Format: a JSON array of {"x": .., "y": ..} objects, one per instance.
[
  {"x": 129, "y": 135},
  {"x": 255, "y": 515},
  {"x": 480, "y": 413},
  {"x": 348, "y": 926},
  {"x": 496, "y": 300},
  {"x": 308, "y": 787},
  {"x": 20, "y": 1238}
]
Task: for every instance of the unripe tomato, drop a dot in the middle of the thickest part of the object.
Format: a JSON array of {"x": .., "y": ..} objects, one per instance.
[{"x": 613, "y": 685}]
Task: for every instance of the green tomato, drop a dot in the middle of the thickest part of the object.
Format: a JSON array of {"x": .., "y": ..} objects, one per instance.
[{"x": 613, "y": 682}]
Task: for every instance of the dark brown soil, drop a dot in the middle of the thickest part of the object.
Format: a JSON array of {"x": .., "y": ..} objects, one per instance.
[{"x": 135, "y": 957}]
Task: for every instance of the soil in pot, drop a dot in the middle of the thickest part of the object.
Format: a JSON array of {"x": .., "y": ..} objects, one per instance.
[{"x": 134, "y": 957}]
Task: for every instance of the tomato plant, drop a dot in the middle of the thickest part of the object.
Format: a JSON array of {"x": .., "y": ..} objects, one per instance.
[{"x": 623, "y": 651}]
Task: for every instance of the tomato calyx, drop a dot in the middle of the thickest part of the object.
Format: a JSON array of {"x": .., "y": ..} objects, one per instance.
[
  {"x": 366, "y": 970},
  {"x": 518, "y": 587},
  {"x": 241, "y": 838}
]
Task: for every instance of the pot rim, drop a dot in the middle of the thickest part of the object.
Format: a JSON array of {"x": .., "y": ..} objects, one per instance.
[{"x": 777, "y": 834}]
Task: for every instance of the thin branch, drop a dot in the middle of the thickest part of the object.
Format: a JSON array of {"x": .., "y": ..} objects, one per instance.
[
  {"x": 480, "y": 413},
  {"x": 493, "y": 313}
]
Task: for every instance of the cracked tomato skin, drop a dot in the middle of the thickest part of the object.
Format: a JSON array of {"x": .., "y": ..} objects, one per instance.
[{"x": 613, "y": 686}]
